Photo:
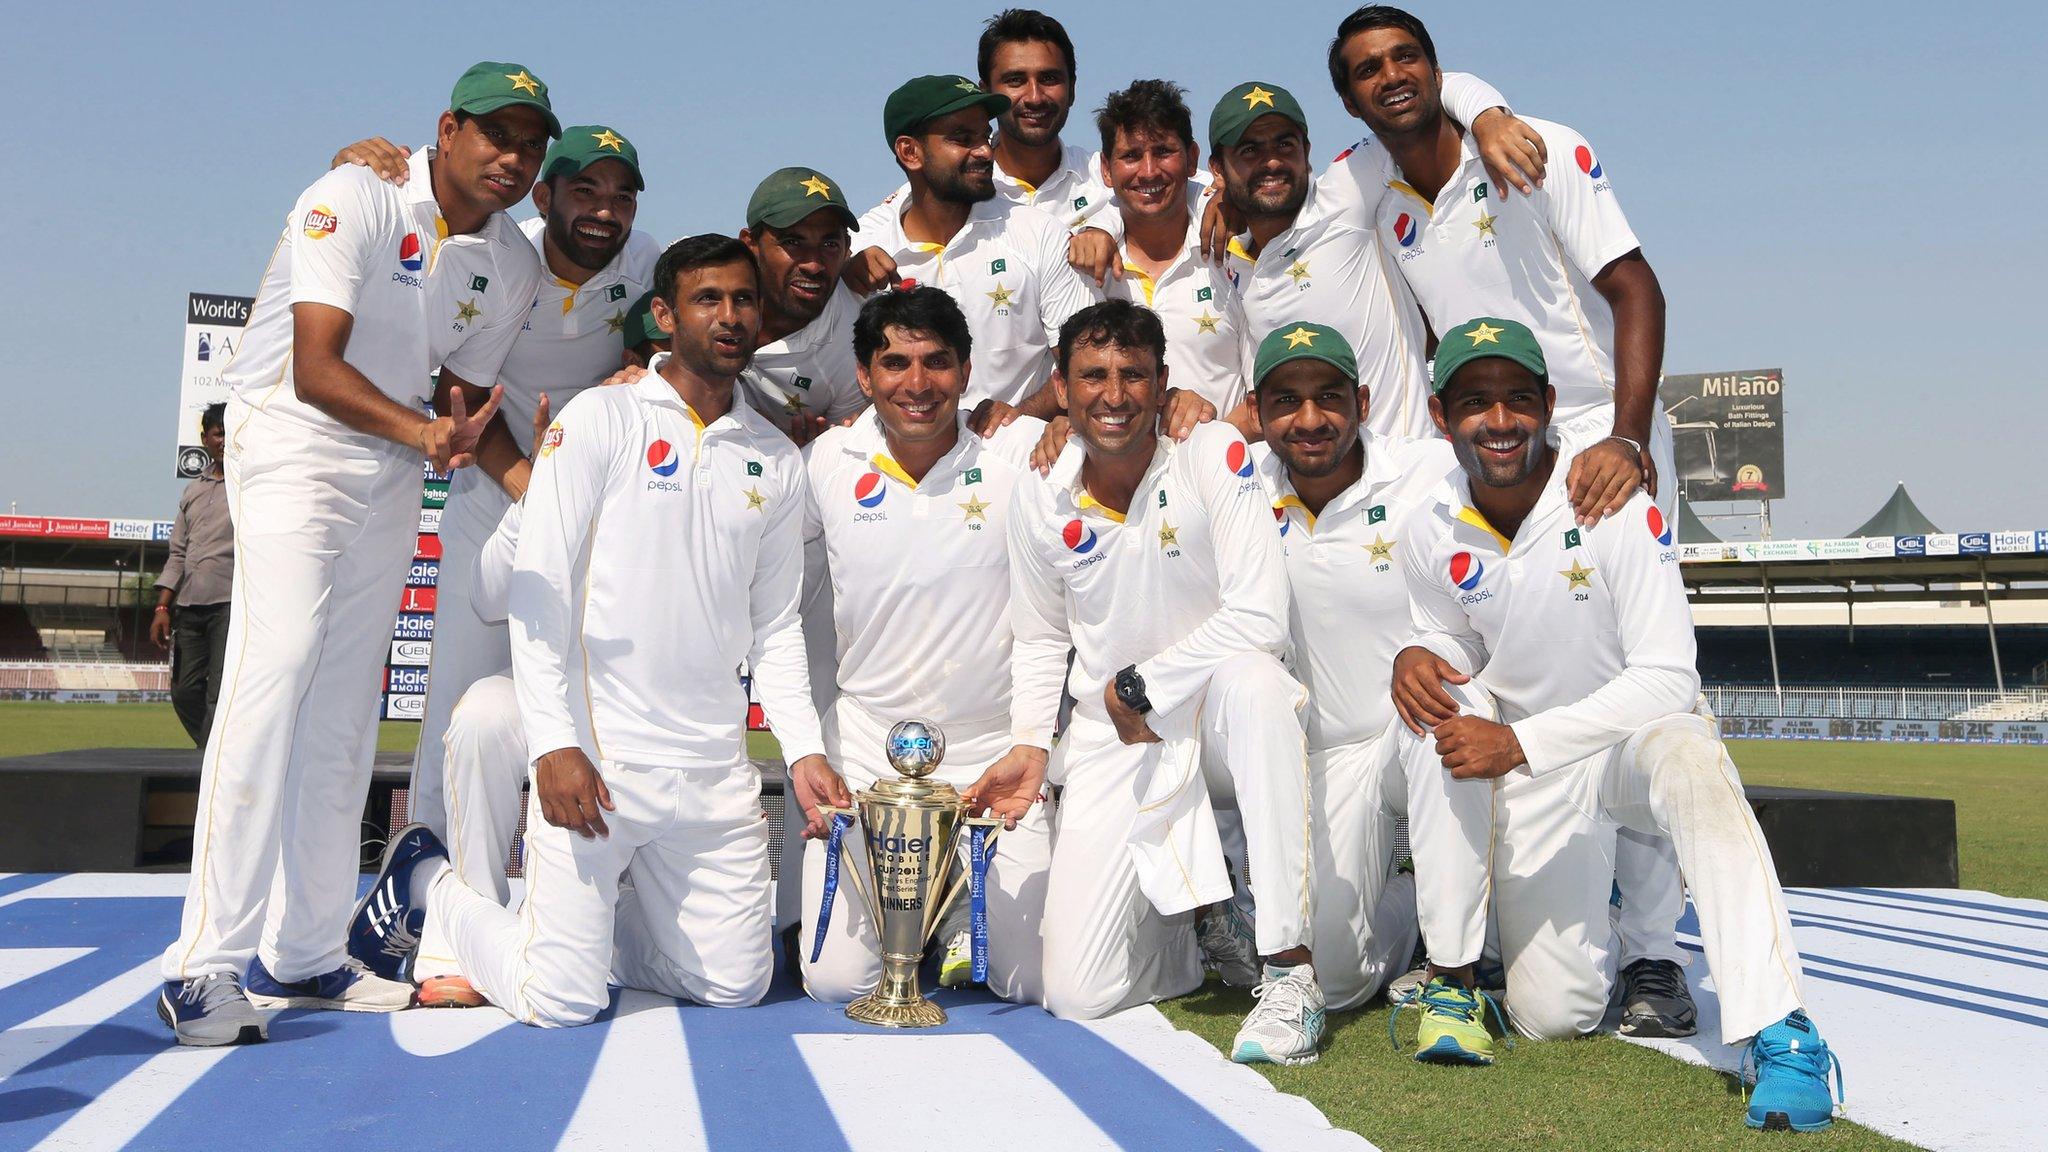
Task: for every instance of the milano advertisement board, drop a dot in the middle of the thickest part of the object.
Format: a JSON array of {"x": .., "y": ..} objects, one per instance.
[{"x": 1728, "y": 433}]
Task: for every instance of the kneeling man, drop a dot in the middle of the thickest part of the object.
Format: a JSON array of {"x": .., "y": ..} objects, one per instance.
[
  {"x": 1553, "y": 695},
  {"x": 661, "y": 546},
  {"x": 1157, "y": 562}
]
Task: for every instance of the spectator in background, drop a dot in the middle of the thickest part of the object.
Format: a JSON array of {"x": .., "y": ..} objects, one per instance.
[{"x": 197, "y": 579}]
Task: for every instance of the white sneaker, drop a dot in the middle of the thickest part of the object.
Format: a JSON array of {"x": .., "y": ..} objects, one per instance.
[
  {"x": 1286, "y": 1026},
  {"x": 1229, "y": 947},
  {"x": 349, "y": 988},
  {"x": 956, "y": 970}
]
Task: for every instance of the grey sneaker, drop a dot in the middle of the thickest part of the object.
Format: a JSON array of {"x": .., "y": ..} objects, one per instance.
[
  {"x": 1655, "y": 1000},
  {"x": 210, "y": 1011},
  {"x": 1229, "y": 947}
]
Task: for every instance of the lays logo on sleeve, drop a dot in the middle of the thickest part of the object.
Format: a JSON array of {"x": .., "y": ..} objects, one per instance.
[
  {"x": 320, "y": 222},
  {"x": 551, "y": 440}
]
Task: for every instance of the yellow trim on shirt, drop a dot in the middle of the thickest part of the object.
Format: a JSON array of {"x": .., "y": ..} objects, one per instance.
[
  {"x": 1403, "y": 186},
  {"x": 1237, "y": 250},
  {"x": 924, "y": 246},
  {"x": 1472, "y": 516},
  {"x": 1089, "y": 502},
  {"x": 569, "y": 301},
  {"x": 1292, "y": 501},
  {"x": 892, "y": 469},
  {"x": 440, "y": 234},
  {"x": 697, "y": 422},
  {"x": 1144, "y": 279}
]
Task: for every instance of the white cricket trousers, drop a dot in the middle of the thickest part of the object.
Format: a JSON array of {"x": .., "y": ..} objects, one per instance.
[
  {"x": 695, "y": 923},
  {"x": 1107, "y": 947},
  {"x": 1365, "y": 925},
  {"x": 850, "y": 965},
  {"x": 485, "y": 768},
  {"x": 1545, "y": 846},
  {"x": 324, "y": 529},
  {"x": 466, "y": 647},
  {"x": 1645, "y": 866}
]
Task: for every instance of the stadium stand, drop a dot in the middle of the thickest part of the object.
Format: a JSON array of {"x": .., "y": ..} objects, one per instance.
[
  {"x": 19, "y": 639},
  {"x": 1939, "y": 655}
]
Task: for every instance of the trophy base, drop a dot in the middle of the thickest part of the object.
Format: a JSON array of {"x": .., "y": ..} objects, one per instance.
[{"x": 918, "y": 1013}]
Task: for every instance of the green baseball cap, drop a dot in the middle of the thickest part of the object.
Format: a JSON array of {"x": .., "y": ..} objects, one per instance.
[
  {"x": 1245, "y": 103},
  {"x": 1484, "y": 337},
  {"x": 582, "y": 145},
  {"x": 790, "y": 195},
  {"x": 1304, "y": 342},
  {"x": 494, "y": 84},
  {"x": 919, "y": 102},
  {"x": 640, "y": 326}
]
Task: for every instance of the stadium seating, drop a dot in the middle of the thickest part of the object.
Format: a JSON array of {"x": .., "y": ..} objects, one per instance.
[
  {"x": 1944, "y": 656},
  {"x": 19, "y": 639}
]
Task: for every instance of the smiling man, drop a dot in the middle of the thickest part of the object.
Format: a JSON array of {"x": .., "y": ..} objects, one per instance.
[
  {"x": 659, "y": 548},
  {"x": 906, "y": 528},
  {"x": 371, "y": 288},
  {"x": 802, "y": 375},
  {"x": 1156, "y": 561},
  {"x": 1553, "y": 696},
  {"x": 1004, "y": 263}
]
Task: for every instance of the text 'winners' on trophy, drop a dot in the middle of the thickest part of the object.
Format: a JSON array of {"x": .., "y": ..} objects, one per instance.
[{"x": 910, "y": 826}]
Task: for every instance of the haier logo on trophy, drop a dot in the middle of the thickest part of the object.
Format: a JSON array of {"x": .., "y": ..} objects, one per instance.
[{"x": 911, "y": 827}]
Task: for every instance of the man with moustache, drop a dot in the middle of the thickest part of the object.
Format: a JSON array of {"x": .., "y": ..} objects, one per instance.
[
  {"x": 1562, "y": 260},
  {"x": 1552, "y": 693},
  {"x": 1156, "y": 561},
  {"x": 802, "y": 375},
  {"x": 371, "y": 288},
  {"x": 1004, "y": 264},
  {"x": 906, "y": 527},
  {"x": 666, "y": 491},
  {"x": 1339, "y": 492},
  {"x": 1309, "y": 253}
]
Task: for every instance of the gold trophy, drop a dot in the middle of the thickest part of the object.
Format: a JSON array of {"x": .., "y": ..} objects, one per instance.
[{"x": 911, "y": 825}]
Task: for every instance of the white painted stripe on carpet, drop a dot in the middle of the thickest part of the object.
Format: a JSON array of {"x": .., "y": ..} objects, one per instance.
[
  {"x": 440, "y": 1031},
  {"x": 18, "y": 964},
  {"x": 101, "y": 885},
  {"x": 1243, "y": 1100},
  {"x": 970, "y": 1092},
  {"x": 641, "y": 1083},
  {"x": 119, "y": 1114},
  {"x": 28, "y": 1042}
]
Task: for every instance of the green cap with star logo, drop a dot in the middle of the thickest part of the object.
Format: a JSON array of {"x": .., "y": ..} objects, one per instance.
[
  {"x": 1484, "y": 337},
  {"x": 640, "y": 324},
  {"x": 789, "y": 196},
  {"x": 1243, "y": 105},
  {"x": 582, "y": 145},
  {"x": 1304, "y": 341},
  {"x": 919, "y": 102},
  {"x": 494, "y": 84}
]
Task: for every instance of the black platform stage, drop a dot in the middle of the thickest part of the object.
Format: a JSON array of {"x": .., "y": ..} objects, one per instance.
[{"x": 131, "y": 809}]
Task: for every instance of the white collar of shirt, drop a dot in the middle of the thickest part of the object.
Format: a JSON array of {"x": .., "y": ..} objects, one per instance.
[
  {"x": 866, "y": 440},
  {"x": 653, "y": 388},
  {"x": 1380, "y": 471},
  {"x": 1455, "y": 496},
  {"x": 991, "y": 210}
]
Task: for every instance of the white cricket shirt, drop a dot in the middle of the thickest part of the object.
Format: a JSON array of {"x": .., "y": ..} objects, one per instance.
[
  {"x": 1072, "y": 195},
  {"x": 1190, "y": 577},
  {"x": 574, "y": 335},
  {"x": 919, "y": 571},
  {"x": 1007, "y": 269},
  {"x": 1209, "y": 347},
  {"x": 1583, "y": 634},
  {"x": 809, "y": 372},
  {"x": 1349, "y": 591},
  {"x": 656, "y": 554},
  {"x": 1474, "y": 252},
  {"x": 421, "y": 299}
]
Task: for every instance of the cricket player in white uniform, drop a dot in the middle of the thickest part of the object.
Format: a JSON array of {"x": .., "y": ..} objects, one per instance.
[
  {"x": 907, "y": 530},
  {"x": 1157, "y": 562},
  {"x": 802, "y": 375},
  {"x": 371, "y": 288},
  {"x": 1004, "y": 264},
  {"x": 1338, "y": 493},
  {"x": 1553, "y": 694},
  {"x": 668, "y": 492},
  {"x": 1148, "y": 158},
  {"x": 1308, "y": 254},
  {"x": 1562, "y": 260}
]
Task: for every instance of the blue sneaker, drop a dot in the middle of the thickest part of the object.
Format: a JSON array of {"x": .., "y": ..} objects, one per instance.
[
  {"x": 349, "y": 988},
  {"x": 384, "y": 930},
  {"x": 1792, "y": 1064},
  {"x": 210, "y": 1011}
]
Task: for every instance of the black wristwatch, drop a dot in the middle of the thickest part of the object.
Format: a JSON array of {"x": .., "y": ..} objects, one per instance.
[{"x": 1130, "y": 690}]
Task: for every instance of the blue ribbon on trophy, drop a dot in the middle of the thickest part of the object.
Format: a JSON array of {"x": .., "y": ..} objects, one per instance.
[
  {"x": 980, "y": 851},
  {"x": 841, "y": 821}
]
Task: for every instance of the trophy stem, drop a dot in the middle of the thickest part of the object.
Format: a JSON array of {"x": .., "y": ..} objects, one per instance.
[{"x": 896, "y": 1002}]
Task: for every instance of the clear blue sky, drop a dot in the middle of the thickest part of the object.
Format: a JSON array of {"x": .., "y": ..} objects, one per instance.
[{"x": 1851, "y": 193}]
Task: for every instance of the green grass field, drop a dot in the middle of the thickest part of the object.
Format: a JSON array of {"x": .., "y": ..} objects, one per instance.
[{"x": 1595, "y": 1093}]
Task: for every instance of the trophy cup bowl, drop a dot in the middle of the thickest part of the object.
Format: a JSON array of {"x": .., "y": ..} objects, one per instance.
[{"x": 910, "y": 825}]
